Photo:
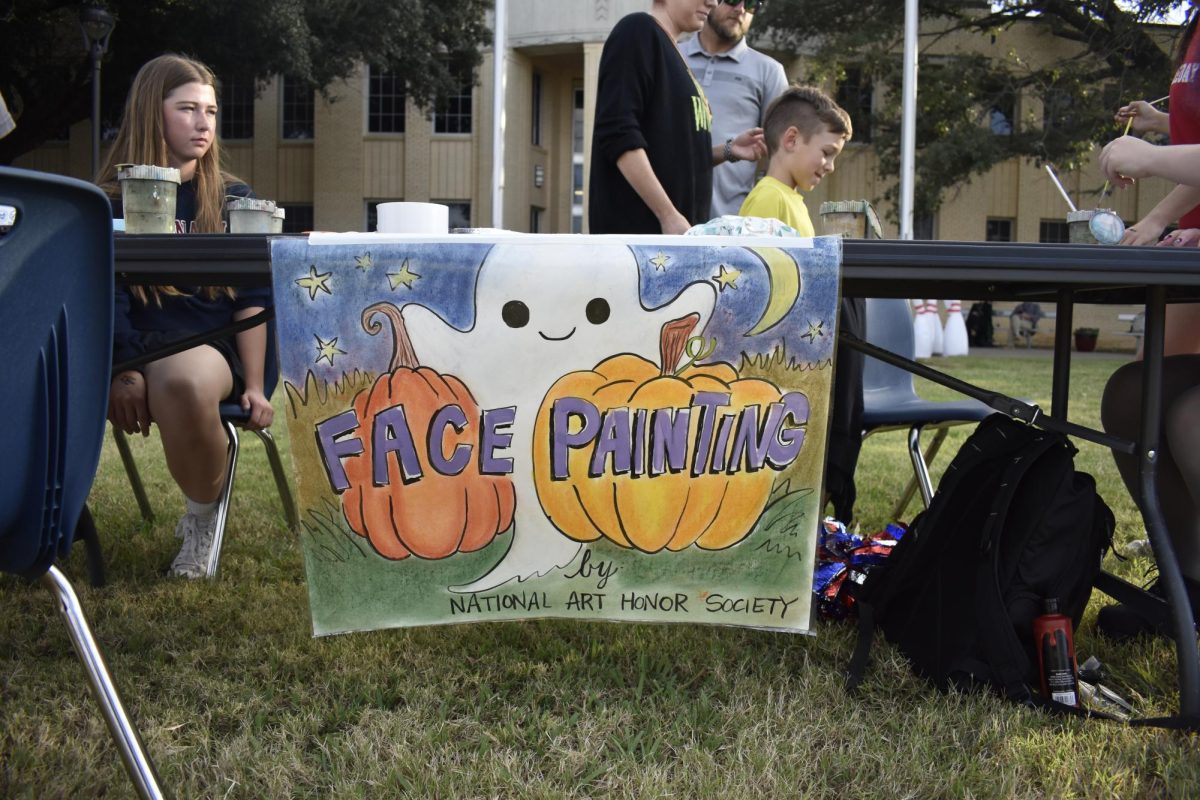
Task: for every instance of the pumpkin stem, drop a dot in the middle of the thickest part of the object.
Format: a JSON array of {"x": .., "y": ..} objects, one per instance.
[
  {"x": 403, "y": 354},
  {"x": 673, "y": 339}
]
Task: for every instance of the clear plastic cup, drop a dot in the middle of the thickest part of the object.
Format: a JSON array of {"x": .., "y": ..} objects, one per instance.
[{"x": 148, "y": 197}]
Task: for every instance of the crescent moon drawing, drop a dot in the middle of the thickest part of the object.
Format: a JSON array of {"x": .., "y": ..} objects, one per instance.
[{"x": 784, "y": 275}]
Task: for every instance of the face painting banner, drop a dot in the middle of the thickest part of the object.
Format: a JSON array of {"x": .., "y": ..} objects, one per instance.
[{"x": 509, "y": 427}]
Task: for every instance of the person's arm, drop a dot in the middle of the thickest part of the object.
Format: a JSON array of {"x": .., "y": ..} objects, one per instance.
[
  {"x": 1149, "y": 228},
  {"x": 749, "y": 145},
  {"x": 635, "y": 166},
  {"x": 1146, "y": 118},
  {"x": 128, "y": 408},
  {"x": 1128, "y": 158},
  {"x": 252, "y": 349},
  {"x": 622, "y": 96}
]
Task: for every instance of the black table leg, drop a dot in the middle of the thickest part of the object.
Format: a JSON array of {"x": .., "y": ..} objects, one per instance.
[
  {"x": 1164, "y": 554},
  {"x": 1061, "y": 381}
]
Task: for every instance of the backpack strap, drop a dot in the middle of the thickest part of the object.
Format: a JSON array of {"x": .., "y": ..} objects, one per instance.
[{"x": 862, "y": 646}]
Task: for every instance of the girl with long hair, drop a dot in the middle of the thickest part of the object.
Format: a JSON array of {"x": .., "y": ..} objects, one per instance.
[{"x": 170, "y": 120}]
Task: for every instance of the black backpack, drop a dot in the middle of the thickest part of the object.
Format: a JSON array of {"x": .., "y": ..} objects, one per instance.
[{"x": 1012, "y": 523}]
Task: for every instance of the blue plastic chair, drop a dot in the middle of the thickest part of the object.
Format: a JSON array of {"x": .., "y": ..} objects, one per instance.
[
  {"x": 56, "y": 300},
  {"x": 891, "y": 403},
  {"x": 233, "y": 417}
]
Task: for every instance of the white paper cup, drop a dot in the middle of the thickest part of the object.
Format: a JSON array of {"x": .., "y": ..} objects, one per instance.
[{"x": 412, "y": 218}]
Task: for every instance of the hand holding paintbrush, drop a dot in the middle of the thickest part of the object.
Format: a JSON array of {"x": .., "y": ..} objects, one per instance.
[
  {"x": 1143, "y": 117},
  {"x": 1148, "y": 119}
]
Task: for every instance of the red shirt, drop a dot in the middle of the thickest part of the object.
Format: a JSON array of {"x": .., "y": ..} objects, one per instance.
[{"x": 1185, "y": 112}]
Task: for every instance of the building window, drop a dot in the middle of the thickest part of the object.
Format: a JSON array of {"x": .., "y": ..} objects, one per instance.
[
  {"x": 1056, "y": 109},
  {"x": 237, "y": 108},
  {"x": 854, "y": 94},
  {"x": 110, "y": 123},
  {"x": 386, "y": 100},
  {"x": 1002, "y": 114},
  {"x": 1053, "y": 230},
  {"x": 298, "y": 218},
  {"x": 536, "y": 120},
  {"x": 999, "y": 229},
  {"x": 923, "y": 227},
  {"x": 453, "y": 114},
  {"x": 535, "y": 219},
  {"x": 460, "y": 212},
  {"x": 577, "y": 161},
  {"x": 297, "y": 112}
]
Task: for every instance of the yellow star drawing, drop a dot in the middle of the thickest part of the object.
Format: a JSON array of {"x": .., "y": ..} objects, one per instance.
[
  {"x": 660, "y": 261},
  {"x": 815, "y": 331},
  {"x": 405, "y": 277},
  {"x": 727, "y": 277},
  {"x": 363, "y": 262},
  {"x": 327, "y": 350},
  {"x": 314, "y": 282}
]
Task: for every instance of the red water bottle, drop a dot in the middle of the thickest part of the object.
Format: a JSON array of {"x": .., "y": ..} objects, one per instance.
[{"x": 1056, "y": 655}]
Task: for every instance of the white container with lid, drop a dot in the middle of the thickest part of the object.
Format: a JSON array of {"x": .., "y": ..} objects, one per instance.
[{"x": 249, "y": 214}]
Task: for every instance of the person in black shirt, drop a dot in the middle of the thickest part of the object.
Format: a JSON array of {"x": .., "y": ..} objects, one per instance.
[
  {"x": 170, "y": 121},
  {"x": 652, "y": 150}
]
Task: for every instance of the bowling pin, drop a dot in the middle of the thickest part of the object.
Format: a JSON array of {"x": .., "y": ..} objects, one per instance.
[
  {"x": 954, "y": 336},
  {"x": 922, "y": 333},
  {"x": 935, "y": 325}
]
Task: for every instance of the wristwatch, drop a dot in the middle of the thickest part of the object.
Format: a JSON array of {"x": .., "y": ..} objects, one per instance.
[{"x": 729, "y": 156}]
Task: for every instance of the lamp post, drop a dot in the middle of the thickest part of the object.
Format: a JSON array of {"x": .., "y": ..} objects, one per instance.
[{"x": 97, "y": 25}]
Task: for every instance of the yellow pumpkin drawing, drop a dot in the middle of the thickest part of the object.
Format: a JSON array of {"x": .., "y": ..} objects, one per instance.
[{"x": 713, "y": 505}]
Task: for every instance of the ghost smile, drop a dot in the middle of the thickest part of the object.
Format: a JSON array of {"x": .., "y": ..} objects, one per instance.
[{"x": 557, "y": 338}]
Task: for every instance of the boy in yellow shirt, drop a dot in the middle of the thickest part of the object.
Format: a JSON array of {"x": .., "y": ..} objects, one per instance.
[{"x": 805, "y": 132}]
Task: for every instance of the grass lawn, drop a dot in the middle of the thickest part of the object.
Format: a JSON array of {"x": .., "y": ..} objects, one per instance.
[{"x": 234, "y": 697}]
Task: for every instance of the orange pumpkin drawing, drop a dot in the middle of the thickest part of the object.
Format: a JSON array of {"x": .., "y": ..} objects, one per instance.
[
  {"x": 713, "y": 510},
  {"x": 438, "y": 515}
]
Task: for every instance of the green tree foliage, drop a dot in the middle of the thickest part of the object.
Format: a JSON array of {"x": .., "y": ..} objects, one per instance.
[
  {"x": 980, "y": 102},
  {"x": 45, "y": 73}
]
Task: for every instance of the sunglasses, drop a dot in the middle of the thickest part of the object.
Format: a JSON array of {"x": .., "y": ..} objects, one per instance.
[{"x": 750, "y": 5}]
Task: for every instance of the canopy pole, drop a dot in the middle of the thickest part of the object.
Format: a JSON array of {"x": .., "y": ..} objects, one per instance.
[
  {"x": 908, "y": 123},
  {"x": 499, "y": 75}
]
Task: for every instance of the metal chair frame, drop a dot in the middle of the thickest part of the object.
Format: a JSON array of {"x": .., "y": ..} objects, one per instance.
[
  {"x": 58, "y": 265},
  {"x": 890, "y": 401}
]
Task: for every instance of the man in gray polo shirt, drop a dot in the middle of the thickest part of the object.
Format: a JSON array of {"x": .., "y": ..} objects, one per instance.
[{"x": 740, "y": 83}]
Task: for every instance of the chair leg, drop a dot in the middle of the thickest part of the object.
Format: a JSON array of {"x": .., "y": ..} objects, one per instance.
[
  {"x": 125, "y": 735},
  {"x": 919, "y": 469},
  {"x": 281, "y": 482},
  {"x": 85, "y": 531},
  {"x": 930, "y": 453},
  {"x": 222, "y": 512},
  {"x": 135, "y": 479}
]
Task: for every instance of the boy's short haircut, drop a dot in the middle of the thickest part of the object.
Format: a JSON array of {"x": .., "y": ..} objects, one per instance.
[{"x": 807, "y": 109}]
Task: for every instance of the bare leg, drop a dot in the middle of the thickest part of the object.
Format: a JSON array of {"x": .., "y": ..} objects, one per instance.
[
  {"x": 1179, "y": 466},
  {"x": 1183, "y": 433},
  {"x": 184, "y": 391}
]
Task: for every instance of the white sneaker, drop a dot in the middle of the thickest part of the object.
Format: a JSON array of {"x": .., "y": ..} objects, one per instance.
[{"x": 197, "y": 535}]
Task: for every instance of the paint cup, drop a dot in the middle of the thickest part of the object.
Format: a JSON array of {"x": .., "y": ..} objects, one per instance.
[
  {"x": 277, "y": 220},
  {"x": 148, "y": 197},
  {"x": 853, "y": 219},
  {"x": 249, "y": 214},
  {"x": 1094, "y": 226},
  {"x": 412, "y": 218}
]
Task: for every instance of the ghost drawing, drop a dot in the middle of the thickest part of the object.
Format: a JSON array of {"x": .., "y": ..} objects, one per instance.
[{"x": 541, "y": 311}]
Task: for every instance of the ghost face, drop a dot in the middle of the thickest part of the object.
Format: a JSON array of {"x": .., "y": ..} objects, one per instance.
[
  {"x": 541, "y": 311},
  {"x": 546, "y": 309}
]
